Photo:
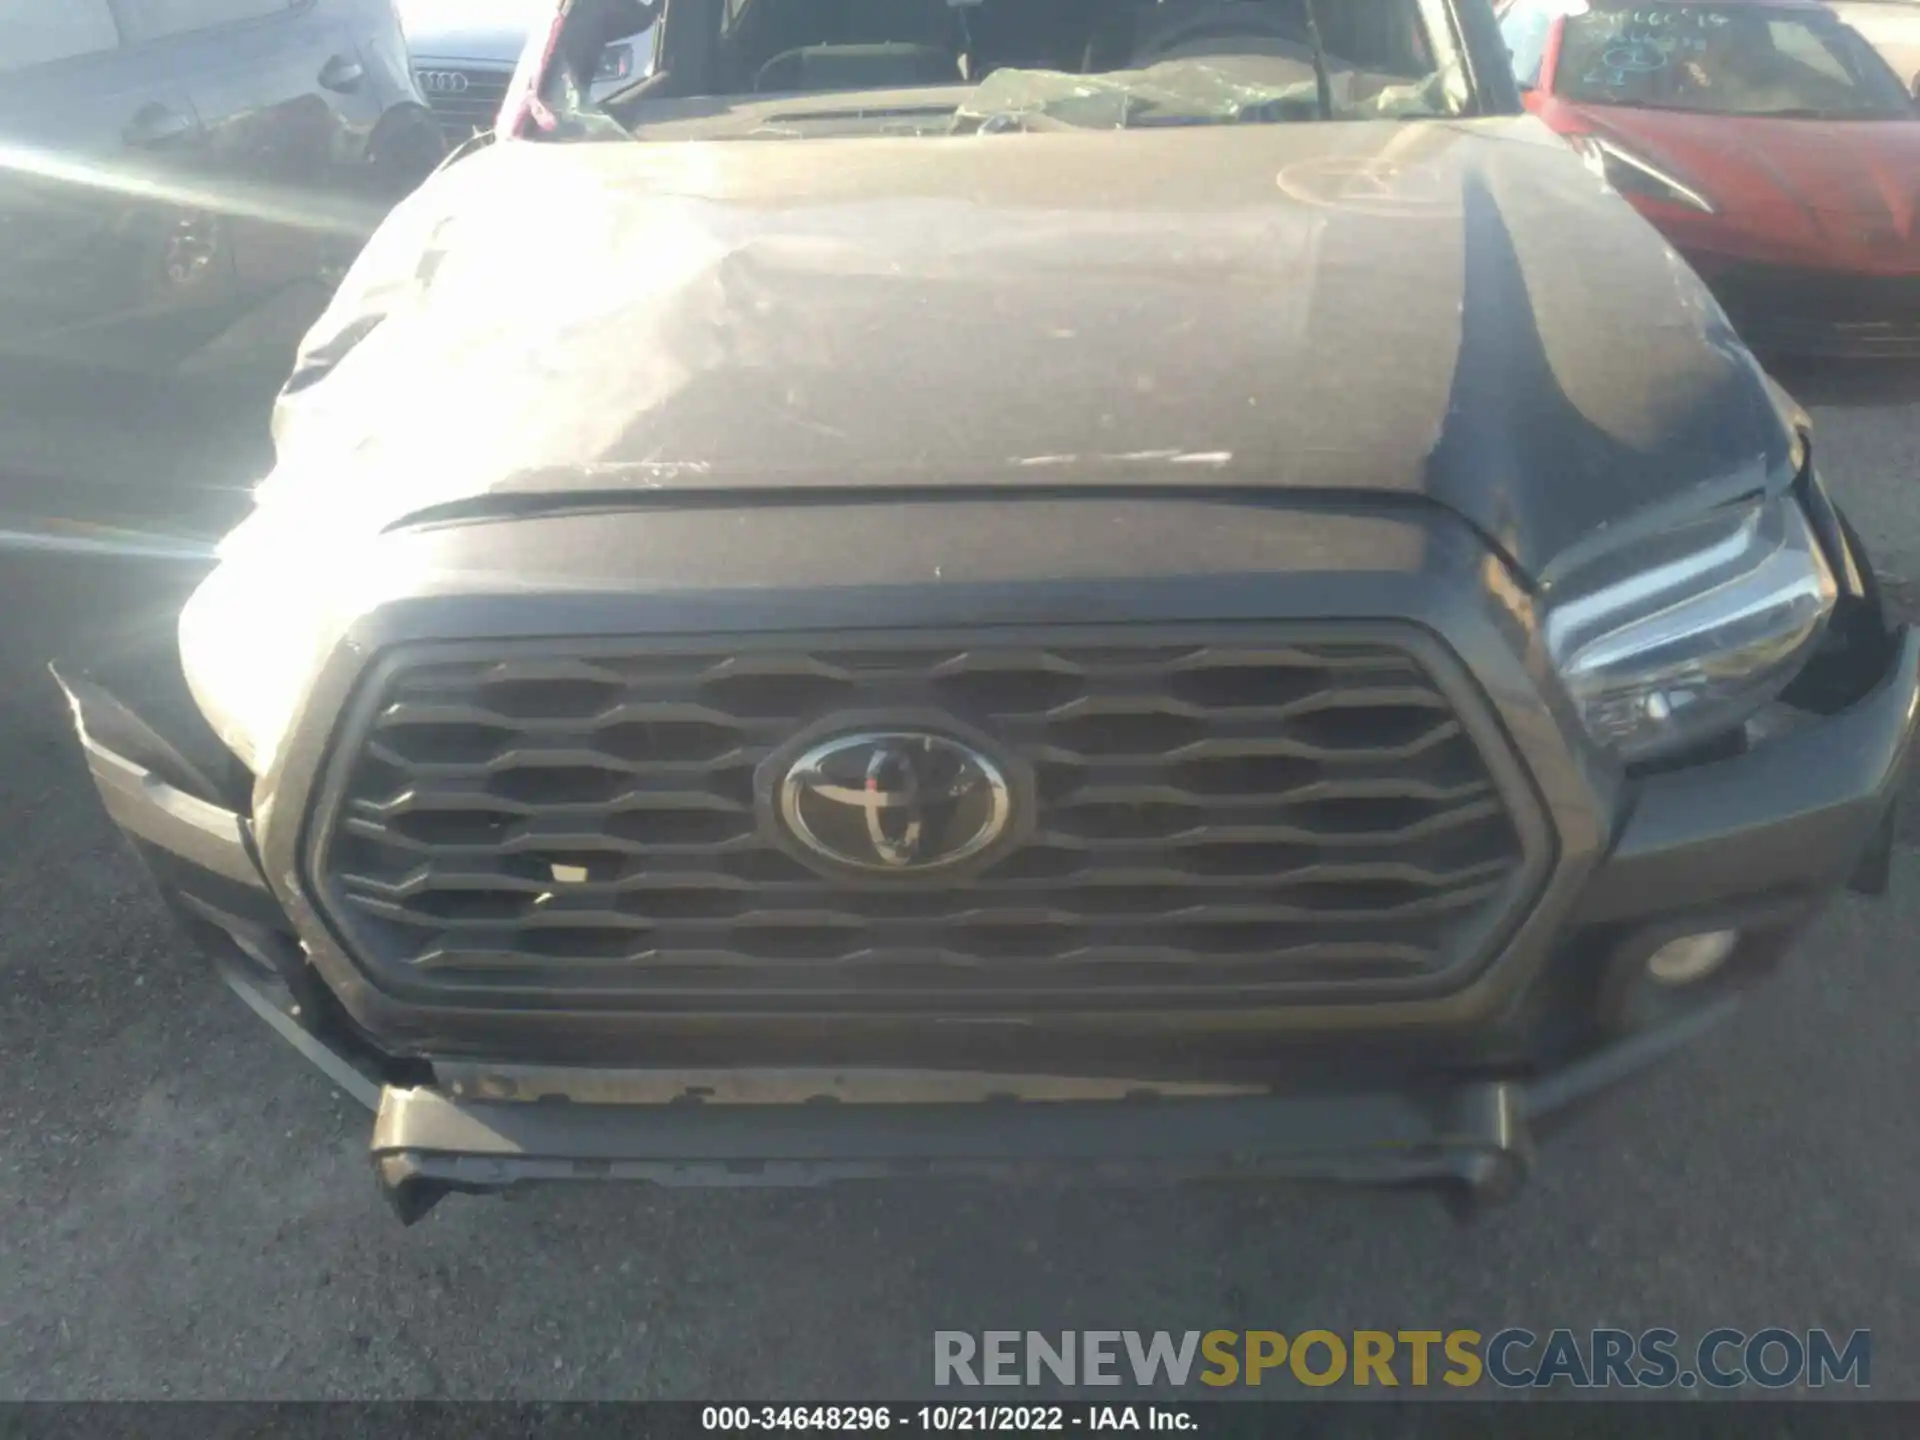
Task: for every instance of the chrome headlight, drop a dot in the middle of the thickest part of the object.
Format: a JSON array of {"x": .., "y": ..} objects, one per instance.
[{"x": 1675, "y": 641}]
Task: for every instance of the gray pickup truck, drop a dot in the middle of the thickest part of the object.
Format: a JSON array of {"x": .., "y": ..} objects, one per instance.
[{"x": 1049, "y": 585}]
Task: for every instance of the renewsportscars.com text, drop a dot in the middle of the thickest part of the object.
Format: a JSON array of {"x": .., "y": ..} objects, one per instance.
[{"x": 1771, "y": 1358}]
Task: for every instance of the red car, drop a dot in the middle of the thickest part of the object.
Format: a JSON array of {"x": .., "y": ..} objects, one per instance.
[{"x": 1769, "y": 142}]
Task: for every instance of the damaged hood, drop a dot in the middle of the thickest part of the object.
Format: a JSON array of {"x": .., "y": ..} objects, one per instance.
[{"x": 1448, "y": 311}]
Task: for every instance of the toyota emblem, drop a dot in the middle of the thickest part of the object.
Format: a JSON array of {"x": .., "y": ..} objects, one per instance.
[
  {"x": 443, "y": 82},
  {"x": 895, "y": 802}
]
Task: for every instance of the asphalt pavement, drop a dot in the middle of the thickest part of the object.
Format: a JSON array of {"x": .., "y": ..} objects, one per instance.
[{"x": 186, "y": 1211}]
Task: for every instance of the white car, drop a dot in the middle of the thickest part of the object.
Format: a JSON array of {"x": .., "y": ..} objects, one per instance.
[{"x": 464, "y": 52}]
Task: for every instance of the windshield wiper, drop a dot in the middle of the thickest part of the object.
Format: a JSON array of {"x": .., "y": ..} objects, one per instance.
[{"x": 1322, "y": 77}]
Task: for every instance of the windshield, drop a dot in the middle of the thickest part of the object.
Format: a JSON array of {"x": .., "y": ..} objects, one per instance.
[
  {"x": 941, "y": 67},
  {"x": 1728, "y": 60}
]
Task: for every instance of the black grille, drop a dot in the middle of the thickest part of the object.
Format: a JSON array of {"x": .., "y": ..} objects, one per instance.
[
  {"x": 1792, "y": 311},
  {"x": 1240, "y": 818},
  {"x": 463, "y": 99}
]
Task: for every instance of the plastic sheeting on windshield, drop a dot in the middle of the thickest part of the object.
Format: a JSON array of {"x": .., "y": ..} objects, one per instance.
[{"x": 1222, "y": 89}]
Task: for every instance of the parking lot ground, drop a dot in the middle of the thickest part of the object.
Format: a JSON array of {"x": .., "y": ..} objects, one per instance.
[{"x": 185, "y": 1208}]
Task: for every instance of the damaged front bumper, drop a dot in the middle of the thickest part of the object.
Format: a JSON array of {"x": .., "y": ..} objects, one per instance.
[
  {"x": 1472, "y": 1137},
  {"x": 1756, "y": 843}
]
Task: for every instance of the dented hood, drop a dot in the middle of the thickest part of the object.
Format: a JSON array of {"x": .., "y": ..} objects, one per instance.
[{"x": 1454, "y": 312}]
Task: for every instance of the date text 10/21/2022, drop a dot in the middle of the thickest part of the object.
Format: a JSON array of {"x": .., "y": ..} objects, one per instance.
[{"x": 944, "y": 1419}]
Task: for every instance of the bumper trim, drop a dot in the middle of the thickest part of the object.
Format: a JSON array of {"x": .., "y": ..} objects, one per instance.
[
  {"x": 1551, "y": 1094},
  {"x": 149, "y": 809},
  {"x": 144, "y": 783},
  {"x": 283, "y": 1016},
  {"x": 1471, "y": 1136},
  {"x": 427, "y": 1145}
]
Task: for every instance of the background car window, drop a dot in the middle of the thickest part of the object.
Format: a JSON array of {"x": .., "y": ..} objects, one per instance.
[
  {"x": 38, "y": 32},
  {"x": 1799, "y": 43},
  {"x": 1383, "y": 52},
  {"x": 1526, "y": 28},
  {"x": 1725, "y": 59},
  {"x": 157, "y": 19}
]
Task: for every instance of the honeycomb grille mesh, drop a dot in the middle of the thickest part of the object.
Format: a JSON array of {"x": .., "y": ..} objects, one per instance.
[{"x": 1211, "y": 822}]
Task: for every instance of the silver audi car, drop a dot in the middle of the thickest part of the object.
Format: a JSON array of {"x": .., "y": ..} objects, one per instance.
[{"x": 464, "y": 52}]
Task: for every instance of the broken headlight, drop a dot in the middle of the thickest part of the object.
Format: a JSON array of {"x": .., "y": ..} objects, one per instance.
[{"x": 1677, "y": 640}]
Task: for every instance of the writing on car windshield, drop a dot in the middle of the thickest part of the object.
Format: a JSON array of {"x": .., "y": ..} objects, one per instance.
[
  {"x": 1725, "y": 59},
  {"x": 802, "y": 67}
]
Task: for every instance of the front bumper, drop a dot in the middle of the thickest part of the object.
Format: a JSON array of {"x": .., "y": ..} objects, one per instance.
[
  {"x": 1472, "y": 1137},
  {"x": 1755, "y": 843}
]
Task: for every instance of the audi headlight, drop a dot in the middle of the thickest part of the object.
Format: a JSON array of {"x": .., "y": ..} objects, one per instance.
[
  {"x": 1633, "y": 174},
  {"x": 1675, "y": 641}
]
